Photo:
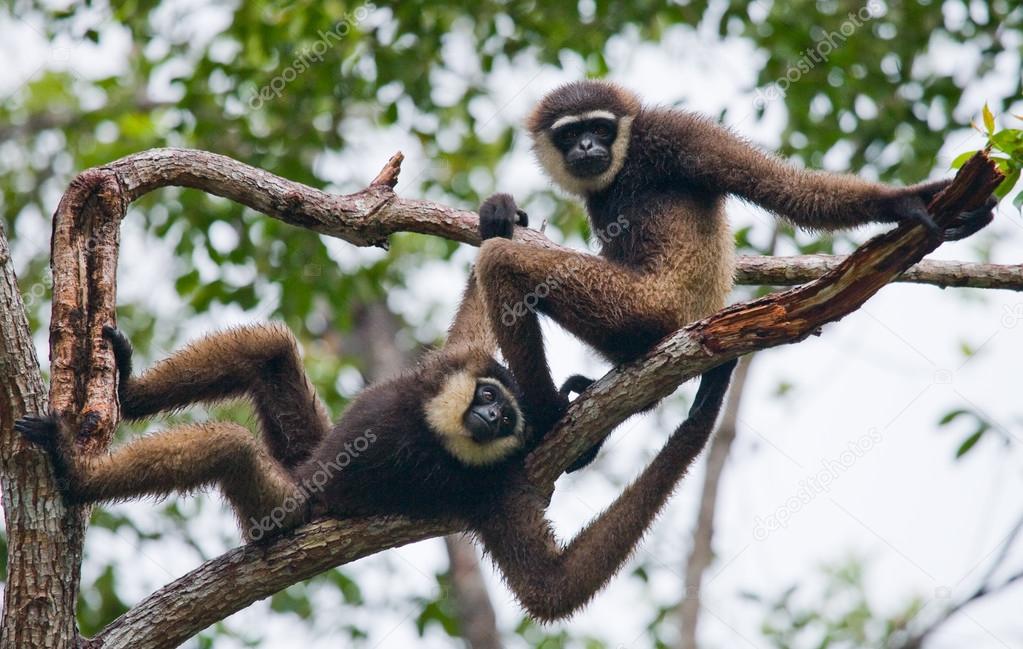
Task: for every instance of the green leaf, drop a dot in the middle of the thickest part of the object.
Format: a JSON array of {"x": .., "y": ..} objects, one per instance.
[
  {"x": 1003, "y": 164},
  {"x": 989, "y": 120},
  {"x": 970, "y": 442},
  {"x": 187, "y": 282},
  {"x": 950, "y": 416},
  {"x": 1006, "y": 185},
  {"x": 292, "y": 600},
  {"x": 1007, "y": 139},
  {"x": 961, "y": 159}
]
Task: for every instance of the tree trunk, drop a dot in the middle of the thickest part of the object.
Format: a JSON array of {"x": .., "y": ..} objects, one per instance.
[{"x": 44, "y": 538}]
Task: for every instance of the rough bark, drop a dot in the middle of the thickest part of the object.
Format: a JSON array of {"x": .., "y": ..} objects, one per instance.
[
  {"x": 44, "y": 538},
  {"x": 84, "y": 252},
  {"x": 234, "y": 580}
]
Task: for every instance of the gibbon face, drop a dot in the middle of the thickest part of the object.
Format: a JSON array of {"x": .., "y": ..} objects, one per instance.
[
  {"x": 477, "y": 418},
  {"x": 581, "y": 134}
]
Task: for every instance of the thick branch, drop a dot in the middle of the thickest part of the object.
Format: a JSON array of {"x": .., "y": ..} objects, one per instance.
[
  {"x": 241, "y": 576},
  {"x": 231, "y": 582}
]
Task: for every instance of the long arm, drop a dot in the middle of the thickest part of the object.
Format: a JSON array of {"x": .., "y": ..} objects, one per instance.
[
  {"x": 261, "y": 362},
  {"x": 711, "y": 156},
  {"x": 472, "y": 326},
  {"x": 552, "y": 582}
]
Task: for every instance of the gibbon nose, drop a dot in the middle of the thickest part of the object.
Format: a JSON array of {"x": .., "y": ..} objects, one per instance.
[
  {"x": 492, "y": 413},
  {"x": 585, "y": 144}
]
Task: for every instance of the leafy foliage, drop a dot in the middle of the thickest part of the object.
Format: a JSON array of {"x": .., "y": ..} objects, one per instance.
[{"x": 1007, "y": 147}]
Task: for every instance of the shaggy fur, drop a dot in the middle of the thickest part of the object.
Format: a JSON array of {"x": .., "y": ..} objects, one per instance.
[
  {"x": 667, "y": 255},
  {"x": 552, "y": 581},
  {"x": 399, "y": 449}
]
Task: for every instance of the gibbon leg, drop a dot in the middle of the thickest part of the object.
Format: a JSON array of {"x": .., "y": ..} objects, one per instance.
[
  {"x": 259, "y": 361},
  {"x": 552, "y": 581},
  {"x": 611, "y": 308},
  {"x": 182, "y": 459}
]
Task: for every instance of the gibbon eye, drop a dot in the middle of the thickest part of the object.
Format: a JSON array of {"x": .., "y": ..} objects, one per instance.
[
  {"x": 602, "y": 132},
  {"x": 488, "y": 394},
  {"x": 506, "y": 420}
]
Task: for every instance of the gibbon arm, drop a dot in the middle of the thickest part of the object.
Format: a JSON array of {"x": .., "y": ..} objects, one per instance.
[
  {"x": 471, "y": 326},
  {"x": 261, "y": 362},
  {"x": 552, "y": 581},
  {"x": 713, "y": 157}
]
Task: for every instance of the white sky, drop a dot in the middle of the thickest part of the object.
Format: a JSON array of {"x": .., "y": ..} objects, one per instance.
[{"x": 925, "y": 524}]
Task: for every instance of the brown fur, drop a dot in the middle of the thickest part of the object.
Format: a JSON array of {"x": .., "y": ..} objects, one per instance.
[
  {"x": 667, "y": 256},
  {"x": 261, "y": 362},
  {"x": 403, "y": 466},
  {"x": 552, "y": 581},
  {"x": 189, "y": 458}
]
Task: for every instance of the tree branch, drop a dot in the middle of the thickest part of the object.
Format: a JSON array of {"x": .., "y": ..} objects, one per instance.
[
  {"x": 789, "y": 271},
  {"x": 84, "y": 279},
  {"x": 369, "y": 216}
]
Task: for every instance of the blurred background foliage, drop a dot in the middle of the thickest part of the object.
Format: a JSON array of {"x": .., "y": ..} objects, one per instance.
[{"x": 193, "y": 75}]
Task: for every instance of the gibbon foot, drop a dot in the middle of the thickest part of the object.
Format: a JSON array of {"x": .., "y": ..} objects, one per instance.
[{"x": 578, "y": 383}]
